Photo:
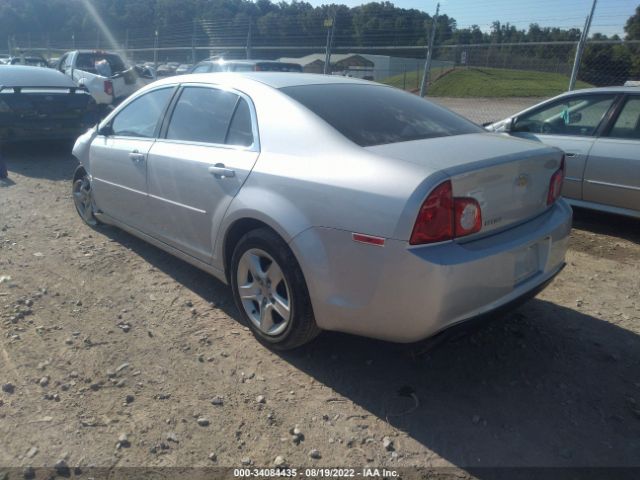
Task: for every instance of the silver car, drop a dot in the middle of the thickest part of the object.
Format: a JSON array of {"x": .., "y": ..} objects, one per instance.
[
  {"x": 599, "y": 130},
  {"x": 328, "y": 202}
]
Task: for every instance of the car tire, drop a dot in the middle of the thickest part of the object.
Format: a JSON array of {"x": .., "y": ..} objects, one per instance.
[
  {"x": 83, "y": 198},
  {"x": 265, "y": 279}
]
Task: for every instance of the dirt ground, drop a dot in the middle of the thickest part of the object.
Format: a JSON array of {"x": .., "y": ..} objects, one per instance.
[{"x": 114, "y": 353}]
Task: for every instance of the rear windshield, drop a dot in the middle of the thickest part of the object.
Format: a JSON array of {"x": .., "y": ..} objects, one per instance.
[
  {"x": 88, "y": 61},
  {"x": 374, "y": 114}
]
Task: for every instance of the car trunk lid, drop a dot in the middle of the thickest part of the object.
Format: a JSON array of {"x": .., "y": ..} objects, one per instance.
[{"x": 509, "y": 178}]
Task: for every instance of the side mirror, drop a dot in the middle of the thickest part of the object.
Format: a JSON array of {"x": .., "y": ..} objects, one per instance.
[
  {"x": 509, "y": 124},
  {"x": 105, "y": 130},
  {"x": 501, "y": 127}
]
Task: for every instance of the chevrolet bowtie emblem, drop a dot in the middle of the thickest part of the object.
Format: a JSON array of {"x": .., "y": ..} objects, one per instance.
[{"x": 522, "y": 180}]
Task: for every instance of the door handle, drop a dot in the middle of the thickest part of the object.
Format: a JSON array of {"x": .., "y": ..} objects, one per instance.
[
  {"x": 220, "y": 171},
  {"x": 570, "y": 155},
  {"x": 136, "y": 156}
]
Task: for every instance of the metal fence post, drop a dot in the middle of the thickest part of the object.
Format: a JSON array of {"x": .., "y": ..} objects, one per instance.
[
  {"x": 427, "y": 64},
  {"x": 580, "y": 48},
  {"x": 155, "y": 51},
  {"x": 329, "y": 23},
  {"x": 193, "y": 42},
  {"x": 248, "y": 46}
]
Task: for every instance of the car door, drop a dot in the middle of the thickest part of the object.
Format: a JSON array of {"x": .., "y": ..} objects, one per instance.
[
  {"x": 612, "y": 174},
  {"x": 208, "y": 147},
  {"x": 118, "y": 158},
  {"x": 569, "y": 123}
]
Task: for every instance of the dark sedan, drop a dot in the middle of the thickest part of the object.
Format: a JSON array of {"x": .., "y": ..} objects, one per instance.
[{"x": 42, "y": 104}]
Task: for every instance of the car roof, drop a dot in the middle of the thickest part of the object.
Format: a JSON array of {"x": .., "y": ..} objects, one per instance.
[
  {"x": 603, "y": 90},
  {"x": 271, "y": 79},
  {"x": 26, "y": 76}
]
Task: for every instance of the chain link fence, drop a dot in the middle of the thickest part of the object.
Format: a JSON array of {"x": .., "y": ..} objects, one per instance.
[{"x": 484, "y": 81}]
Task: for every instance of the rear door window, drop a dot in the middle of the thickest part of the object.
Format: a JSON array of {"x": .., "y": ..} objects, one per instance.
[
  {"x": 240, "y": 130},
  {"x": 627, "y": 124},
  {"x": 202, "y": 115}
]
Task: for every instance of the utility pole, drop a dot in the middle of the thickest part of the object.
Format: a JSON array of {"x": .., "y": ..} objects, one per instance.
[
  {"x": 329, "y": 23},
  {"x": 73, "y": 41},
  {"x": 580, "y": 47},
  {"x": 427, "y": 64},
  {"x": 248, "y": 47}
]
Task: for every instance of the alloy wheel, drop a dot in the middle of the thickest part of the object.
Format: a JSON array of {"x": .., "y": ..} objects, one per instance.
[{"x": 264, "y": 292}]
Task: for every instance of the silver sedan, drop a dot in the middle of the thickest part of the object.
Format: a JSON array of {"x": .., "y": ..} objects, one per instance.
[
  {"x": 599, "y": 129},
  {"x": 327, "y": 202}
]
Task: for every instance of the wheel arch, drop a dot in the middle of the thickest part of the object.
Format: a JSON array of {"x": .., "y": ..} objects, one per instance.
[
  {"x": 234, "y": 233},
  {"x": 79, "y": 171}
]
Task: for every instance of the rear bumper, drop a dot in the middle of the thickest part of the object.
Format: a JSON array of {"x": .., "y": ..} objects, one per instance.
[
  {"x": 406, "y": 294},
  {"x": 20, "y": 133}
]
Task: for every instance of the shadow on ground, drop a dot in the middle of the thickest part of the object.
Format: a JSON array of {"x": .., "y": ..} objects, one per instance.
[
  {"x": 607, "y": 224},
  {"x": 558, "y": 387},
  {"x": 52, "y": 161}
]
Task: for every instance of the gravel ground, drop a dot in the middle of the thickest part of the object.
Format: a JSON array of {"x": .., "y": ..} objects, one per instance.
[
  {"x": 114, "y": 353},
  {"x": 483, "y": 110}
]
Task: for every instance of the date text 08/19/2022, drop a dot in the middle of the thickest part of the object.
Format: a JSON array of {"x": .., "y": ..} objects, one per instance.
[{"x": 315, "y": 472}]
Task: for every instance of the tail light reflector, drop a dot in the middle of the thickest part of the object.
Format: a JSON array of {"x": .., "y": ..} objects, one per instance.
[
  {"x": 444, "y": 217},
  {"x": 555, "y": 184},
  {"x": 468, "y": 216},
  {"x": 108, "y": 87}
]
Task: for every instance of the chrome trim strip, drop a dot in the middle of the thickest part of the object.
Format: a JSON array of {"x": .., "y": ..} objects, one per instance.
[
  {"x": 573, "y": 179},
  {"x": 177, "y": 204},
  {"x": 616, "y": 185},
  {"x": 119, "y": 186}
]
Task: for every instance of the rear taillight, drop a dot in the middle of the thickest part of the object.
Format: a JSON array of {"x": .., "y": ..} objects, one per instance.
[
  {"x": 108, "y": 87},
  {"x": 555, "y": 184},
  {"x": 443, "y": 217}
]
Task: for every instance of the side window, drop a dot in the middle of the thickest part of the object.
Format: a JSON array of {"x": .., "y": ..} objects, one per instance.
[
  {"x": 202, "y": 115},
  {"x": 579, "y": 115},
  {"x": 628, "y": 122},
  {"x": 140, "y": 117},
  {"x": 240, "y": 131},
  {"x": 201, "y": 69}
]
